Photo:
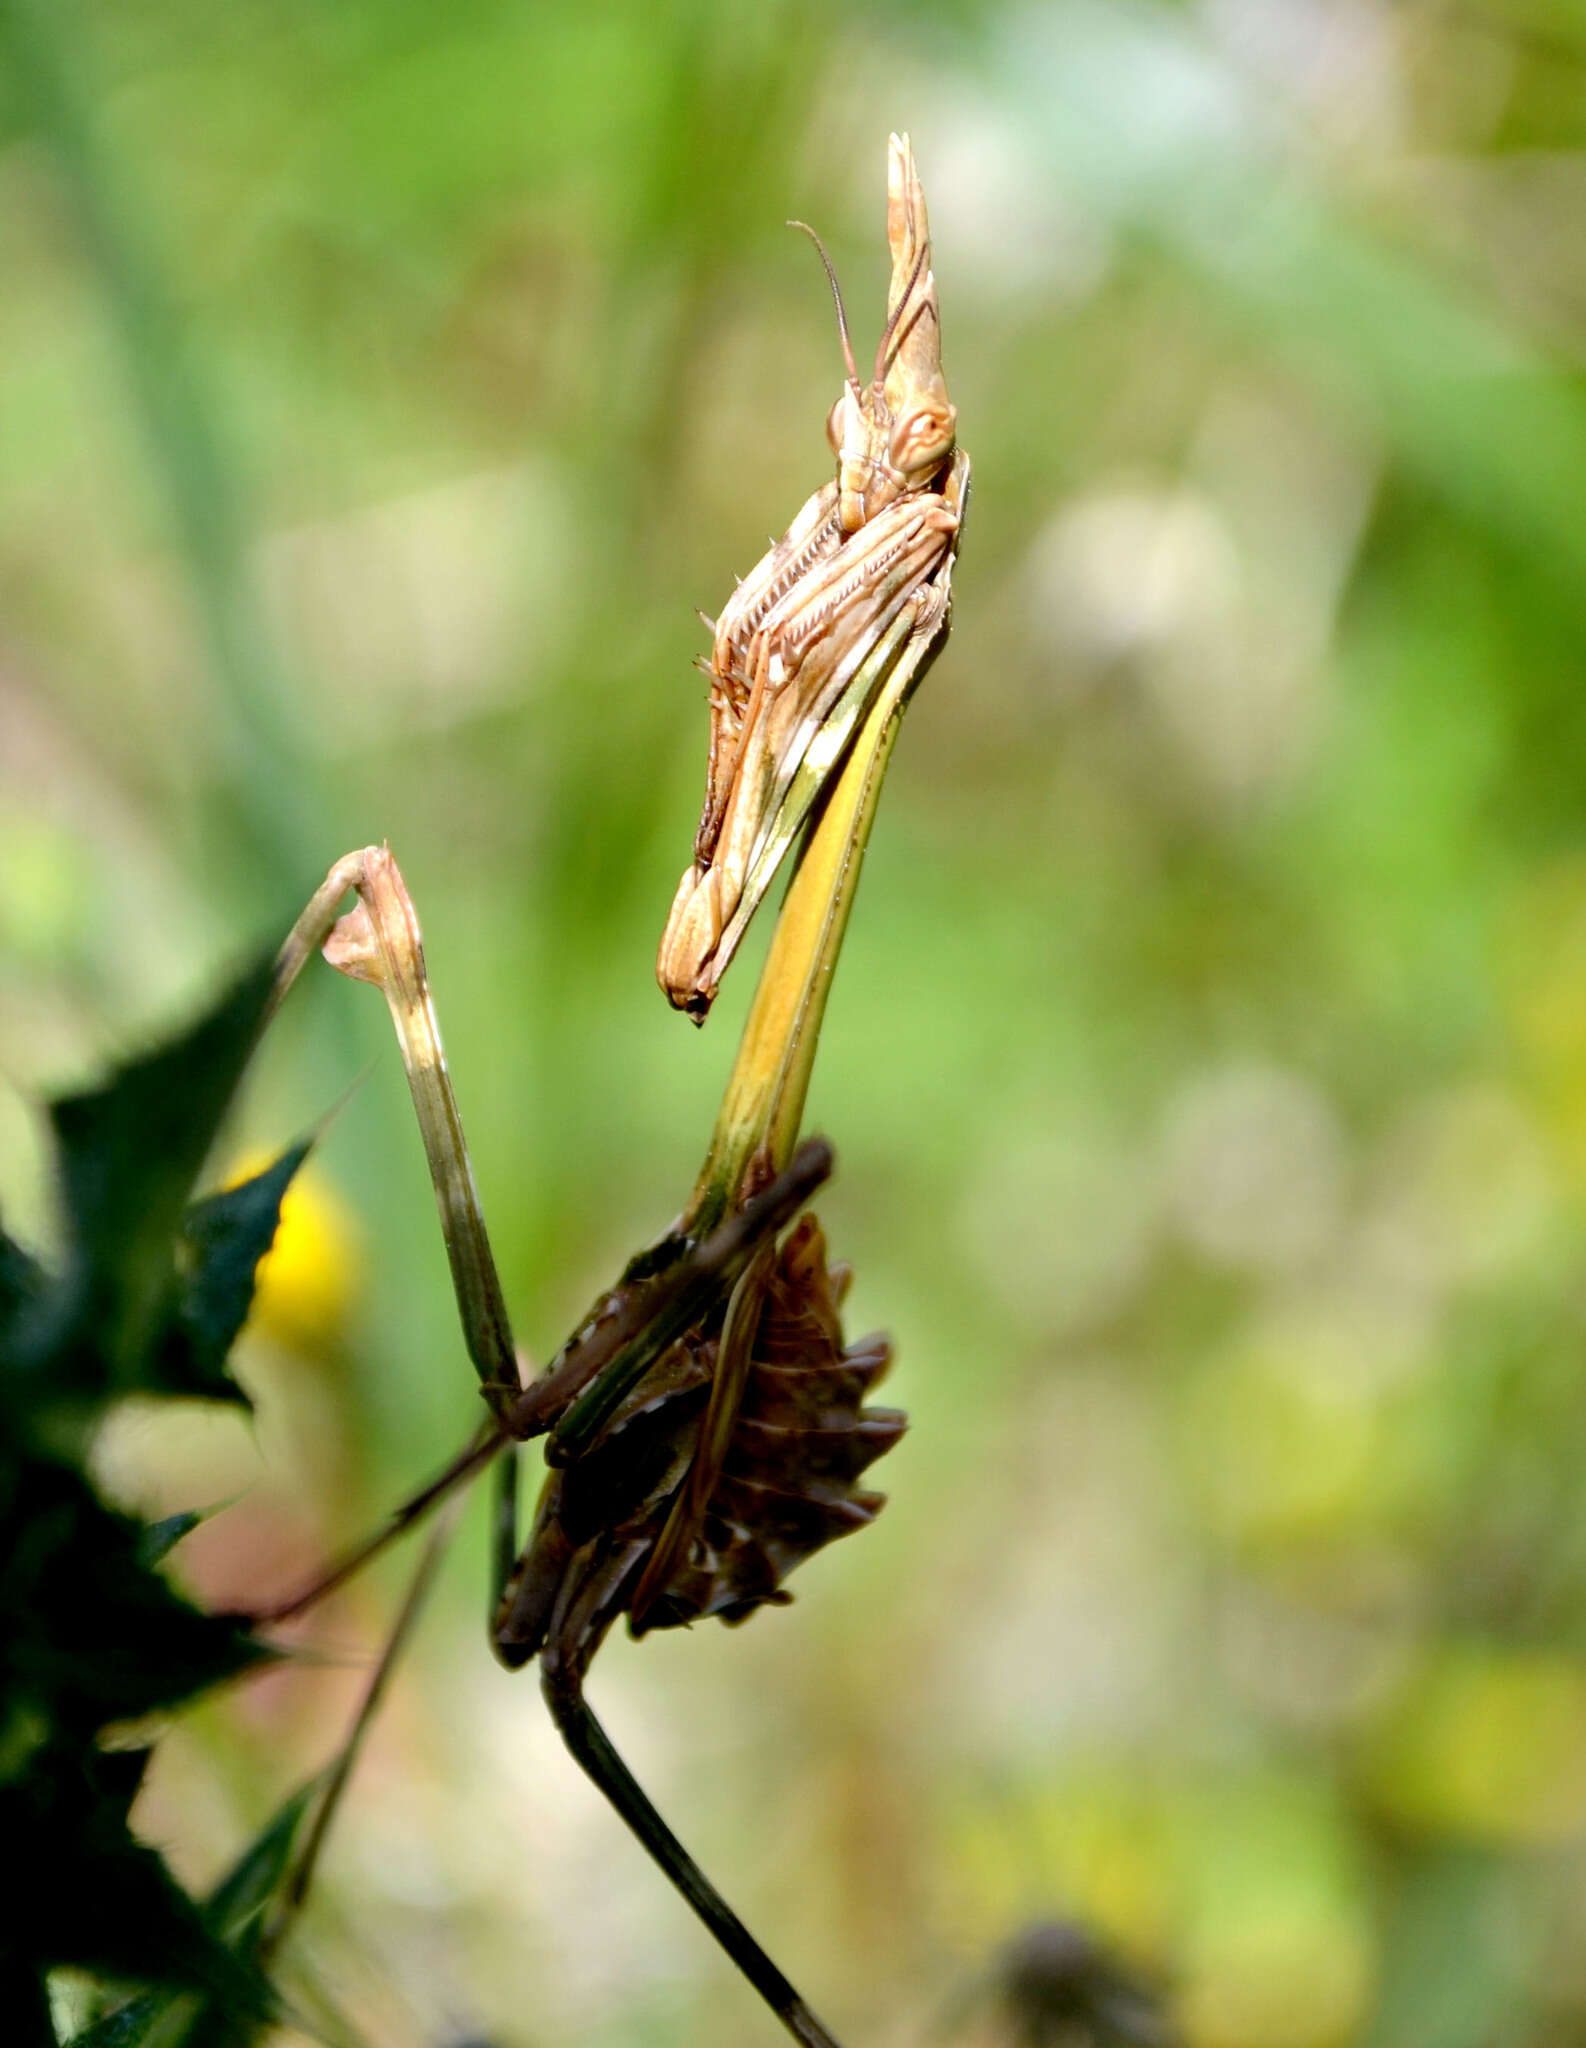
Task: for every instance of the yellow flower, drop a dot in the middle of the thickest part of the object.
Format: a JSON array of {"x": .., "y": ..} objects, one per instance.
[{"x": 306, "y": 1282}]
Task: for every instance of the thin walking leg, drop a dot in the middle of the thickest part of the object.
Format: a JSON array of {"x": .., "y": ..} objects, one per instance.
[
  {"x": 301, "y": 1876},
  {"x": 471, "y": 1460},
  {"x": 593, "y": 1751}
]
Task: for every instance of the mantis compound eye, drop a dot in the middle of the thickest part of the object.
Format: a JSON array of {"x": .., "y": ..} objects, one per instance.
[
  {"x": 922, "y": 441},
  {"x": 834, "y": 425}
]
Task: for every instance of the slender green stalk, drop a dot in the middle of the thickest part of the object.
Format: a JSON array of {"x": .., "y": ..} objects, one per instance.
[
  {"x": 758, "y": 1123},
  {"x": 295, "y": 1890}
]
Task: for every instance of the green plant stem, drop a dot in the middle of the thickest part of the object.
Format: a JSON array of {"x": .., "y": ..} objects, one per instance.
[{"x": 763, "y": 1107}]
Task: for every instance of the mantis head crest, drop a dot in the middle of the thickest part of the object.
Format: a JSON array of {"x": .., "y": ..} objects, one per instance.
[{"x": 895, "y": 436}]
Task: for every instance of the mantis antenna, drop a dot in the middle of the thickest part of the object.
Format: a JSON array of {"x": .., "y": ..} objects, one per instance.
[{"x": 837, "y": 294}]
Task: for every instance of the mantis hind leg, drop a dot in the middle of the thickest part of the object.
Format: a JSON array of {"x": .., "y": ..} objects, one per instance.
[{"x": 582, "y": 1623}]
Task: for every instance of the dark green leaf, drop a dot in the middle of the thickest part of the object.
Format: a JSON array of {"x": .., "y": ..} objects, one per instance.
[
  {"x": 232, "y": 1914},
  {"x": 91, "y": 1896},
  {"x": 119, "y": 1774},
  {"x": 131, "y": 2025},
  {"x": 24, "y": 2005},
  {"x": 23, "y": 1286},
  {"x": 223, "y": 1239},
  {"x": 157, "y": 1540},
  {"x": 234, "y": 1905},
  {"x": 235, "y": 1912},
  {"x": 128, "y": 1155},
  {"x": 88, "y": 1633}
]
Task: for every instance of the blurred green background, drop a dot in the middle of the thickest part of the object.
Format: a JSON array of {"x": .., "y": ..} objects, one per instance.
[{"x": 381, "y": 387}]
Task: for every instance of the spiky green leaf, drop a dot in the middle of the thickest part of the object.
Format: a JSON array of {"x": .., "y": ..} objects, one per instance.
[
  {"x": 223, "y": 1239},
  {"x": 128, "y": 1154}
]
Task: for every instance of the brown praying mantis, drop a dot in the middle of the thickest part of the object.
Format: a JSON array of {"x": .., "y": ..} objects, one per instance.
[
  {"x": 789, "y": 680},
  {"x": 705, "y": 1425}
]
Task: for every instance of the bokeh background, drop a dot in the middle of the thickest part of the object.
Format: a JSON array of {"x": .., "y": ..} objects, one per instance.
[{"x": 381, "y": 387}]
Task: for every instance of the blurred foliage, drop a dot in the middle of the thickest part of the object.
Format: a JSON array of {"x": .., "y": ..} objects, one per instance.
[
  {"x": 1054, "y": 1987},
  {"x": 147, "y": 1301},
  {"x": 383, "y": 386}
]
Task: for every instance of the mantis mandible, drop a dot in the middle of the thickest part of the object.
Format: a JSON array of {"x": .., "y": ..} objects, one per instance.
[{"x": 790, "y": 644}]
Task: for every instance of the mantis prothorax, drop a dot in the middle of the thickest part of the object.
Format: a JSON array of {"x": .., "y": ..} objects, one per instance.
[{"x": 788, "y": 666}]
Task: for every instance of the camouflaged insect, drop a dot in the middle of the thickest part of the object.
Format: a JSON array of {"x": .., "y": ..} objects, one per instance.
[{"x": 789, "y": 684}]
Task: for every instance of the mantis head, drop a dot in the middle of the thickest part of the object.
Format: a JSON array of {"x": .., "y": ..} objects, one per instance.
[{"x": 895, "y": 435}]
